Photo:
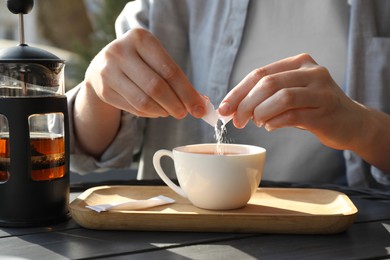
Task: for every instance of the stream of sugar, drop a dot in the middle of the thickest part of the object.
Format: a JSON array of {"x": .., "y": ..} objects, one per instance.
[{"x": 220, "y": 136}]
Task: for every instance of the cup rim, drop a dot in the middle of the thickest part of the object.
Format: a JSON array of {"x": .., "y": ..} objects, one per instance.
[{"x": 239, "y": 149}]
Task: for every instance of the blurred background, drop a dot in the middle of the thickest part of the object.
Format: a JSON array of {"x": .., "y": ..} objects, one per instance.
[{"x": 74, "y": 30}]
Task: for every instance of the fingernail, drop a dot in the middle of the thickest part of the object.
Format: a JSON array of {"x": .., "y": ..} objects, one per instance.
[
  {"x": 224, "y": 108},
  {"x": 182, "y": 115},
  {"x": 259, "y": 124},
  {"x": 240, "y": 124},
  {"x": 198, "y": 111},
  {"x": 268, "y": 128}
]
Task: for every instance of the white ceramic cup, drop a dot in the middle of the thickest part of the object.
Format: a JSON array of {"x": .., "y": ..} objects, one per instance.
[{"x": 213, "y": 181}]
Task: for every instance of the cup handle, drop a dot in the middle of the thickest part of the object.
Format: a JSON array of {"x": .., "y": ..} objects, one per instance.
[{"x": 157, "y": 166}]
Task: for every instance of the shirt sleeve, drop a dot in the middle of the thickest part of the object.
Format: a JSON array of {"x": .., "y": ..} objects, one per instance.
[
  {"x": 380, "y": 176},
  {"x": 118, "y": 155},
  {"x": 368, "y": 76},
  {"x": 363, "y": 175},
  {"x": 135, "y": 14}
]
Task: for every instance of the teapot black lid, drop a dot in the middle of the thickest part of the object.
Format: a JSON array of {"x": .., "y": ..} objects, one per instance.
[
  {"x": 27, "y": 54},
  {"x": 24, "y": 53},
  {"x": 20, "y": 6}
]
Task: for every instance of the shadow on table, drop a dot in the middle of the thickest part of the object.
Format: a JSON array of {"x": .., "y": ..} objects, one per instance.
[
  {"x": 108, "y": 176},
  {"x": 368, "y": 238},
  {"x": 369, "y": 241}
]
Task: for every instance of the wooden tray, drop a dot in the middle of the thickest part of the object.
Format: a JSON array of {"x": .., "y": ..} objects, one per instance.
[{"x": 271, "y": 210}]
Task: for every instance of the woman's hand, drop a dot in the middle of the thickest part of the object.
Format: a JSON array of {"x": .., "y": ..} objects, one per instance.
[
  {"x": 134, "y": 73},
  {"x": 296, "y": 92}
]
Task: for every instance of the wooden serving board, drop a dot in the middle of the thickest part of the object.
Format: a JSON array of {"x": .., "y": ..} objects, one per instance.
[{"x": 271, "y": 210}]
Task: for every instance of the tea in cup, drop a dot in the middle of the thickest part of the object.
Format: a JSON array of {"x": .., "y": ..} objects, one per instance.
[{"x": 215, "y": 176}]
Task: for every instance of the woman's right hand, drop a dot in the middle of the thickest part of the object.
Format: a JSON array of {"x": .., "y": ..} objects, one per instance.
[{"x": 134, "y": 73}]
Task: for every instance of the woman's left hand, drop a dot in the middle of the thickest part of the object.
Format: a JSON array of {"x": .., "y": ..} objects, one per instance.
[{"x": 296, "y": 92}]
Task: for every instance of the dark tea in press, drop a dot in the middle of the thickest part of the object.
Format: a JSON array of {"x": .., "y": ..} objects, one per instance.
[{"x": 47, "y": 157}]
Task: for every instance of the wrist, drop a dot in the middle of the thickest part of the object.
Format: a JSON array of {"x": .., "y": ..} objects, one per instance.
[{"x": 372, "y": 143}]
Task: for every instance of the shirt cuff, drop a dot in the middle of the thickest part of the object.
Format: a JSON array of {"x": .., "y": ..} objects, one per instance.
[{"x": 380, "y": 176}]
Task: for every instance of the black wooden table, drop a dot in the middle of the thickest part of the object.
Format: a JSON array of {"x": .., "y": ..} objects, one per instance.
[{"x": 367, "y": 238}]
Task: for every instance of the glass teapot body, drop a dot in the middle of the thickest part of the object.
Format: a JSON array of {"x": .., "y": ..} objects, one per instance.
[{"x": 34, "y": 157}]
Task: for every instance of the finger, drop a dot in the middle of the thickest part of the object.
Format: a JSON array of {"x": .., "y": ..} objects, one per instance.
[
  {"x": 121, "y": 92},
  {"x": 266, "y": 88},
  {"x": 284, "y": 106},
  {"x": 153, "y": 86},
  {"x": 155, "y": 56},
  {"x": 310, "y": 87},
  {"x": 141, "y": 103},
  {"x": 298, "y": 118},
  {"x": 117, "y": 100},
  {"x": 238, "y": 93},
  {"x": 290, "y": 63},
  {"x": 122, "y": 104}
]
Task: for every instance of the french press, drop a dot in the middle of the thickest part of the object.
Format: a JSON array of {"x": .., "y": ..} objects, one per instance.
[{"x": 34, "y": 146}]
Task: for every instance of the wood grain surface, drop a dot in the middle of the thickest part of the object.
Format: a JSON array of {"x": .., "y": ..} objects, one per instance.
[{"x": 270, "y": 210}]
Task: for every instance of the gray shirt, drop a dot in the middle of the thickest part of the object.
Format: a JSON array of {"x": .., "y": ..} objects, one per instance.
[
  {"x": 204, "y": 37},
  {"x": 368, "y": 77}
]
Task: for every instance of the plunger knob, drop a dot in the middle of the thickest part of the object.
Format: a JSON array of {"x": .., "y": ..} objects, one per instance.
[{"x": 20, "y": 6}]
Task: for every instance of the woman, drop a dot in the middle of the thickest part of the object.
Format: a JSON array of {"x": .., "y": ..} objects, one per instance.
[{"x": 169, "y": 54}]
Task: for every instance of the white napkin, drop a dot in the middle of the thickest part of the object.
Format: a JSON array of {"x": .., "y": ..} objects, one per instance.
[
  {"x": 212, "y": 116},
  {"x": 132, "y": 204}
]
